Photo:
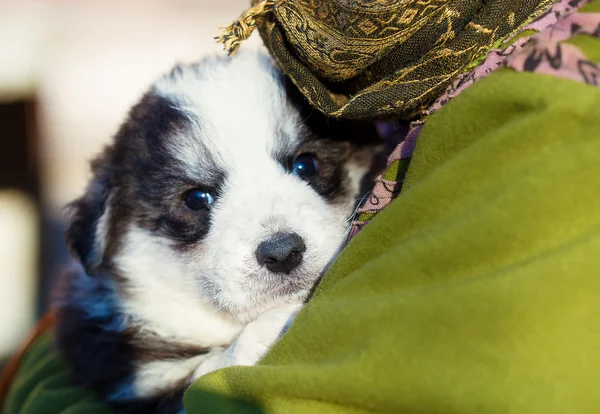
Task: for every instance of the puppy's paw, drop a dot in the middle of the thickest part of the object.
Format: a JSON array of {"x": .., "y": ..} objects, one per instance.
[
  {"x": 259, "y": 335},
  {"x": 254, "y": 341}
]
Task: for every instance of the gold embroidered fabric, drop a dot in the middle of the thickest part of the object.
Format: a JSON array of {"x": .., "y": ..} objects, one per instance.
[{"x": 364, "y": 59}]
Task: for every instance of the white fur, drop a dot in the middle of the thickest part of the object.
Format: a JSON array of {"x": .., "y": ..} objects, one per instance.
[
  {"x": 251, "y": 345},
  {"x": 165, "y": 296},
  {"x": 153, "y": 377},
  {"x": 254, "y": 341},
  {"x": 100, "y": 235}
]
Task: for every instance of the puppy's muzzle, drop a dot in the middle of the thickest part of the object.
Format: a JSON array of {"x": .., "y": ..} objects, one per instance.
[{"x": 281, "y": 253}]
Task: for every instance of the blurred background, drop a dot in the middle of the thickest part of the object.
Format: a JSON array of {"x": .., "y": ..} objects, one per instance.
[{"x": 69, "y": 71}]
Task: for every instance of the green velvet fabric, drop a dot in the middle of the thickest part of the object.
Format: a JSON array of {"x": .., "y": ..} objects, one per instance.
[{"x": 476, "y": 291}]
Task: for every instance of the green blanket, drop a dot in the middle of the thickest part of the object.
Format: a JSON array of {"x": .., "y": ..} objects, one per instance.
[{"x": 476, "y": 291}]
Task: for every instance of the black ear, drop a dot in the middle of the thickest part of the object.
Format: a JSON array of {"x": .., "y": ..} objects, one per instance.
[{"x": 84, "y": 214}]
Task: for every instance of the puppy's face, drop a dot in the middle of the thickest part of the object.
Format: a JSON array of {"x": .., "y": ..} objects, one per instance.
[{"x": 221, "y": 188}]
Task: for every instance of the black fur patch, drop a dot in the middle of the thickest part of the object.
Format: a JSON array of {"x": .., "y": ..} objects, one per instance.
[
  {"x": 333, "y": 142},
  {"x": 146, "y": 183},
  {"x": 104, "y": 352},
  {"x": 85, "y": 212},
  {"x": 332, "y": 156}
]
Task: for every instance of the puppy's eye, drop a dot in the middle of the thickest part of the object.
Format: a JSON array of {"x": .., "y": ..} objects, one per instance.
[
  {"x": 198, "y": 199},
  {"x": 305, "y": 166}
]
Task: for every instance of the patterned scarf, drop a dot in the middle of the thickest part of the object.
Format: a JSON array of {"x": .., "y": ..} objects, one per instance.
[{"x": 374, "y": 59}]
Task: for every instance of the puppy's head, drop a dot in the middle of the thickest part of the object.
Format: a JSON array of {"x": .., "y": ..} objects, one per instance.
[{"x": 222, "y": 186}]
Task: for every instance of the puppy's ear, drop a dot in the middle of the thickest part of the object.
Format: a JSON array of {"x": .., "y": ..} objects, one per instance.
[{"x": 84, "y": 215}]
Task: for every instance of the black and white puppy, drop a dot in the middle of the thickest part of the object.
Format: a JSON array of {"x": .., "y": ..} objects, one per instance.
[{"x": 207, "y": 223}]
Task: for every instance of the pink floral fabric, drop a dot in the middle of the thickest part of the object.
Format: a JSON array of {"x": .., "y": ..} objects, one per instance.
[{"x": 545, "y": 53}]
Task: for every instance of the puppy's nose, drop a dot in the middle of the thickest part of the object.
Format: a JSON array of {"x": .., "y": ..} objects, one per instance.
[{"x": 281, "y": 253}]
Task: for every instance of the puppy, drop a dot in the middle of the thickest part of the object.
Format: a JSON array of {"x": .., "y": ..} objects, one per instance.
[{"x": 206, "y": 224}]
